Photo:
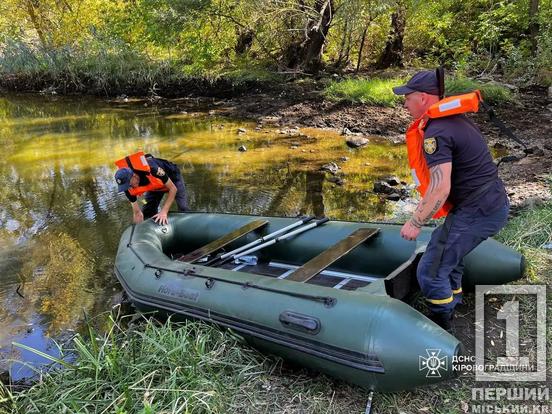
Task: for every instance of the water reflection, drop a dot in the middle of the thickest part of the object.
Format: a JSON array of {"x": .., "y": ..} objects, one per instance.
[{"x": 59, "y": 198}]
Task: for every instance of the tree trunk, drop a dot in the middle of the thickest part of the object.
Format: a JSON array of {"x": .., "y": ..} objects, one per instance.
[
  {"x": 343, "y": 45},
  {"x": 392, "y": 54},
  {"x": 31, "y": 10},
  {"x": 361, "y": 47},
  {"x": 245, "y": 41},
  {"x": 363, "y": 37},
  {"x": 306, "y": 54},
  {"x": 534, "y": 25},
  {"x": 348, "y": 51}
]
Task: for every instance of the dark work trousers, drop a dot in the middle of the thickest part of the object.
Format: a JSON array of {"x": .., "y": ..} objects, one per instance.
[
  {"x": 443, "y": 288},
  {"x": 153, "y": 198}
]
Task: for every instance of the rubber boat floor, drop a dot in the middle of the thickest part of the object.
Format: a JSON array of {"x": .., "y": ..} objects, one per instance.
[{"x": 337, "y": 280}]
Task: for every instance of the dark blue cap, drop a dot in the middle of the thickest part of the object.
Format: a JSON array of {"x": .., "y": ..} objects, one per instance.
[
  {"x": 123, "y": 176},
  {"x": 425, "y": 81}
]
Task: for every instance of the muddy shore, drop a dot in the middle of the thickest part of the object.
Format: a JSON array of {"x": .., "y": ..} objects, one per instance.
[{"x": 530, "y": 118}]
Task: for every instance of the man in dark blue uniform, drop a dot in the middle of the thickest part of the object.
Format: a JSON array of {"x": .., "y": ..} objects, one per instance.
[
  {"x": 462, "y": 172},
  {"x": 162, "y": 171}
]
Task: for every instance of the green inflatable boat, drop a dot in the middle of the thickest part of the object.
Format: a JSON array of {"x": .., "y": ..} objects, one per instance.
[{"x": 329, "y": 295}]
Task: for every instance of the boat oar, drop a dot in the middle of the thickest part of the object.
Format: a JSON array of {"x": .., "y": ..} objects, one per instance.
[
  {"x": 267, "y": 237},
  {"x": 279, "y": 239},
  {"x": 261, "y": 240}
]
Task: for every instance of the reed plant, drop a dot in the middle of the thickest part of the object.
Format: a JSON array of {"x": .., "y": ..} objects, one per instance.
[
  {"x": 97, "y": 66},
  {"x": 190, "y": 367}
]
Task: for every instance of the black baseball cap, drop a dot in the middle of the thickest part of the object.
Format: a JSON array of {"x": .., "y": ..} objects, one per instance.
[
  {"x": 425, "y": 81},
  {"x": 123, "y": 176}
]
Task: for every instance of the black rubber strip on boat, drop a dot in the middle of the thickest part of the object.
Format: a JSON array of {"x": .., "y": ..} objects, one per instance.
[{"x": 353, "y": 359}]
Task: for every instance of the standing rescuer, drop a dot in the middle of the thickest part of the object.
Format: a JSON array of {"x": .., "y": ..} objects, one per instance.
[
  {"x": 457, "y": 178},
  {"x": 141, "y": 173}
]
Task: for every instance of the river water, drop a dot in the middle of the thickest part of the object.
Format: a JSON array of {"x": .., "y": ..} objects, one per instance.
[{"x": 61, "y": 216}]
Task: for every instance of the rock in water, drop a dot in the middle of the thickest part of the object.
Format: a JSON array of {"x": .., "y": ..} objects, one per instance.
[
  {"x": 332, "y": 168},
  {"x": 336, "y": 180},
  {"x": 393, "y": 197},
  {"x": 356, "y": 142},
  {"x": 392, "y": 180},
  {"x": 381, "y": 187}
]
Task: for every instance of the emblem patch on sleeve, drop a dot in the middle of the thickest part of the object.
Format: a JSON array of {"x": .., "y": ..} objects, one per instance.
[
  {"x": 430, "y": 145},
  {"x": 160, "y": 172}
]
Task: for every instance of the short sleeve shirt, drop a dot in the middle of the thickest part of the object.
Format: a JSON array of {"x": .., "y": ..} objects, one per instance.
[
  {"x": 159, "y": 168},
  {"x": 457, "y": 139}
]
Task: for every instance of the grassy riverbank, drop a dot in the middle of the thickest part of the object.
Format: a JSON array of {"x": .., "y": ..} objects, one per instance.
[
  {"x": 171, "y": 368},
  {"x": 149, "y": 367},
  {"x": 114, "y": 69},
  {"x": 379, "y": 92}
]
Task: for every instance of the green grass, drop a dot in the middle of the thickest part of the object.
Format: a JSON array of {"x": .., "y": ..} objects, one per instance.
[
  {"x": 172, "y": 368},
  {"x": 378, "y": 92},
  {"x": 373, "y": 91},
  {"x": 528, "y": 232},
  {"x": 492, "y": 93},
  {"x": 244, "y": 72}
]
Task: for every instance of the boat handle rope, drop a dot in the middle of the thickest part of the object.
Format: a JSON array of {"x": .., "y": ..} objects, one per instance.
[{"x": 328, "y": 301}]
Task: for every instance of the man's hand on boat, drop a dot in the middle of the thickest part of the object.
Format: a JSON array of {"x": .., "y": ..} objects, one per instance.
[
  {"x": 137, "y": 215},
  {"x": 409, "y": 231},
  {"x": 161, "y": 218}
]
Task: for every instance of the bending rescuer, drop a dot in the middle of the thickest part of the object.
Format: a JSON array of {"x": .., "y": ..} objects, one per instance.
[{"x": 140, "y": 174}]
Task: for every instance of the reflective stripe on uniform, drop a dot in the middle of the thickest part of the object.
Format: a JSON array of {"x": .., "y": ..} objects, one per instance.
[
  {"x": 457, "y": 291},
  {"x": 447, "y": 106},
  {"x": 440, "y": 301}
]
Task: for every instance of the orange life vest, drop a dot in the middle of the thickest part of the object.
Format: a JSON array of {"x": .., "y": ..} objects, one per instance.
[
  {"x": 137, "y": 163},
  {"x": 451, "y": 105}
]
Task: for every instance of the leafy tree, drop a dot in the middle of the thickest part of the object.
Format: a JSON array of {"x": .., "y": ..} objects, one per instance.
[{"x": 122, "y": 43}]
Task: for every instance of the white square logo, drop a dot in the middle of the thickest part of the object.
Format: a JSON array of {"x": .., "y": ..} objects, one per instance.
[{"x": 511, "y": 365}]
